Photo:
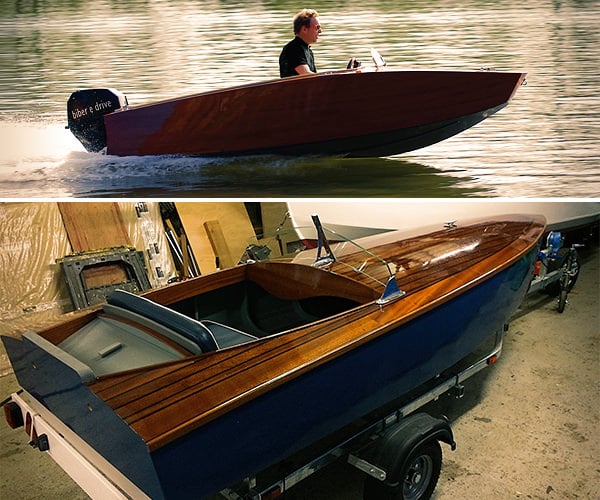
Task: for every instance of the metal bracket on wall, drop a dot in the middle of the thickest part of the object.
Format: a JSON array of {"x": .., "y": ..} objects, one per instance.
[{"x": 91, "y": 276}]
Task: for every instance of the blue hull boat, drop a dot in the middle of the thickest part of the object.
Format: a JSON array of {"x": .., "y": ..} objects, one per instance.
[{"x": 190, "y": 388}]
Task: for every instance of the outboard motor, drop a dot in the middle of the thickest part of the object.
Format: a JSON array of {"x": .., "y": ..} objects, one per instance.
[{"x": 85, "y": 115}]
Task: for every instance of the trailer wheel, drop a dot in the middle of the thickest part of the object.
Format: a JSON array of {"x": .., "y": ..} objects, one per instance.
[
  {"x": 415, "y": 479},
  {"x": 562, "y": 300},
  {"x": 570, "y": 264}
]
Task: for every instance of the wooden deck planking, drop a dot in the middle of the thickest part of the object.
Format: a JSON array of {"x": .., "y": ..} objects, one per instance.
[
  {"x": 207, "y": 392},
  {"x": 165, "y": 402},
  {"x": 230, "y": 363},
  {"x": 413, "y": 258}
]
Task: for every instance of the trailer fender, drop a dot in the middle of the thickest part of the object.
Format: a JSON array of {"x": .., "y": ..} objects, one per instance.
[
  {"x": 400, "y": 440},
  {"x": 406, "y": 460}
]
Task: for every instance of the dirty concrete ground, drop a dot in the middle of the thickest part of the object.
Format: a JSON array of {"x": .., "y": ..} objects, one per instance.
[{"x": 528, "y": 427}]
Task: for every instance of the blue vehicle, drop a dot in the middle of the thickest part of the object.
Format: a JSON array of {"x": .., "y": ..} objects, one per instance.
[{"x": 270, "y": 368}]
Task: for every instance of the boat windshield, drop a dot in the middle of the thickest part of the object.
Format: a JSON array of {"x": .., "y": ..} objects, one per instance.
[{"x": 328, "y": 249}]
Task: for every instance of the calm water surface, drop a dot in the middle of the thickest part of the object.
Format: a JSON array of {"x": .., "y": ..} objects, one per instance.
[{"x": 545, "y": 143}]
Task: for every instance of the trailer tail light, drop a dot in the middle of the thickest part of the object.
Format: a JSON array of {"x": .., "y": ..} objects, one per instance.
[
  {"x": 13, "y": 415},
  {"x": 271, "y": 494}
]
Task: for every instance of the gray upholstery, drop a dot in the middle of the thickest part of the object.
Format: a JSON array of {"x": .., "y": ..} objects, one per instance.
[
  {"x": 184, "y": 342},
  {"x": 226, "y": 336},
  {"x": 177, "y": 322},
  {"x": 208, "y": 335},
  {"x": 107, "y": 345}
]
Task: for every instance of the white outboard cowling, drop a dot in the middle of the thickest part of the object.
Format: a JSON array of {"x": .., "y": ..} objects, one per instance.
[{"x": 85, "y": 115}]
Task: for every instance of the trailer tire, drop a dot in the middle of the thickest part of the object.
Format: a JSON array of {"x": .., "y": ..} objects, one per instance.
[
  {"x": 562, "y": 300},
  {"x": 414, "y": 479},
  {"x": 570, "y": 262}
]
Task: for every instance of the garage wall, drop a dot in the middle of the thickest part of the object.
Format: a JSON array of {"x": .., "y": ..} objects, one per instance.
[{"x": 33, "y": 236}]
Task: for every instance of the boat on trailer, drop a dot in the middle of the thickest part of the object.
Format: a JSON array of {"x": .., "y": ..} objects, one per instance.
[
  {"x": 187, "y": 389},
  {"x": 361, "y": 112}
]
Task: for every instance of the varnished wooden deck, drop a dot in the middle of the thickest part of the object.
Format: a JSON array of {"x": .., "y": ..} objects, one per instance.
[{"x": 165, "y": 402}]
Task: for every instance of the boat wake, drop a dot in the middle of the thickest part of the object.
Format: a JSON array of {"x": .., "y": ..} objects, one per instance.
[
  {"x": 164, "y": 176},
  {"x": 45, "y": 160},
  {"x": 38, "y": 172},
  {"x": 83, "y": 174}
]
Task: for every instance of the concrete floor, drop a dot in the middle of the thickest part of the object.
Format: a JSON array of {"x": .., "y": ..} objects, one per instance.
[{"x": 527, "y": 427}]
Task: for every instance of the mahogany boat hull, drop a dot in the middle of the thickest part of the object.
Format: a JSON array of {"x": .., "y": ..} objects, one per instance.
[
  {"x": 344, "y": 113},
  {"x": 189, "y": 427}
]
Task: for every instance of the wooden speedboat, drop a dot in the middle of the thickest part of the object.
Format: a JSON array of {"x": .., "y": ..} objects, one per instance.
[
  {"x": 357, "y": 112},
  {"x": 193, "y": 386}
]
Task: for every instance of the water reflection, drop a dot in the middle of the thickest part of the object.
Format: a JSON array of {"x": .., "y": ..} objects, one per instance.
[{"x": 543, "y": 144}]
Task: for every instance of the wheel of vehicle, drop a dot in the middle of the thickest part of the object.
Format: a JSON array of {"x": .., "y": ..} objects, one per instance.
[
  {"x": 571, "y": 267},
  {"x": 569, "y": 262},
  {"x": 562, "y": 300},
  {"x": 415, "y": 479}
]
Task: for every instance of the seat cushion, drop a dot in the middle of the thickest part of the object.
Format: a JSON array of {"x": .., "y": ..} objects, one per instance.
[{"x": 174, "y": 320}]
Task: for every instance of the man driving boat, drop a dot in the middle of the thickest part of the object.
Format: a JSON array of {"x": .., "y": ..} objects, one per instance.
[{"x": 297, "y": 57}]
